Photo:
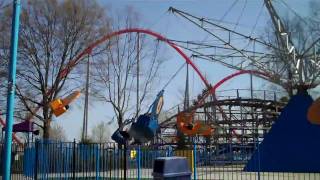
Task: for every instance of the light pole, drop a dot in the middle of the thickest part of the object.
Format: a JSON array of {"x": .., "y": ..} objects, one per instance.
[{"x": 11, "y": 88}]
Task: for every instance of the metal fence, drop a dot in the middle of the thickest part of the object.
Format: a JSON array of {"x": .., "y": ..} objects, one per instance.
[{"x": 71, "y": 160}]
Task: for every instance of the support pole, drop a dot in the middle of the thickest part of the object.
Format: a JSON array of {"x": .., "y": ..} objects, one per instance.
[
  {"x": 138, "y": 71},
  {"x": 86, "y": 104},
  {"x": 186, "y": 91},
  {"x": 11, "y": 89}
]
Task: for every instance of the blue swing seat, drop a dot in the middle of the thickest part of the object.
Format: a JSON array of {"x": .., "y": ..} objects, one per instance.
[
  {"x": 144, "y": 129},
  {"x": 120, "y": 137}
]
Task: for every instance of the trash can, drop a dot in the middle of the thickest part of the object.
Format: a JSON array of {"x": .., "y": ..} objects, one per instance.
[{"x": 170, "y": 168}]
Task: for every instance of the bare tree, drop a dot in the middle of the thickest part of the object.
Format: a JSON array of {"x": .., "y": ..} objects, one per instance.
[
  {"x": 4, "y": 27},
  {"x": 3, "y": 4},
  {"x": 57, "y": 133},
  {"x": 51, "y": 34},
  {"x": 101, "y": 133},
  {"x": 116, "y": 71}
]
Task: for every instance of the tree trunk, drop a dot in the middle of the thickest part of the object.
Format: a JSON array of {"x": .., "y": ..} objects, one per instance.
[
  {"x": 302, "y": 89},
  {"x": 290, "y": 91},
  {"x": 46, "y": 129},
  {"x": 120, "y": 120}
]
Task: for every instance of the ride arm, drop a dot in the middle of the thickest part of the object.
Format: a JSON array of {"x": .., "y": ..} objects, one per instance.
[{"x": 156, "y": 106}]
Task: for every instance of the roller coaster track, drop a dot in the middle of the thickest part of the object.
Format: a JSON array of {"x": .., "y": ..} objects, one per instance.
[
  {"x": 212, "y": 91},
  {"x": 246, "y": 102}
]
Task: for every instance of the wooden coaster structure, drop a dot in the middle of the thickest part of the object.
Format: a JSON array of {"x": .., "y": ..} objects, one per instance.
[
  {"x": 247, "y": 119},
  {"x": 185, "y": 121}
]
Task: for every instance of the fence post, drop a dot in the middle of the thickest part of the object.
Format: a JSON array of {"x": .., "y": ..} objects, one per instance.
[
  {"x": 139, "y": 162},
  {"x": 74, "y": 159},
  {"x": 125, "y": 161},
  {"x": 194, "y": 161},
  {"x": 258, "y": 149},
  {"x": 36, "y": 160},
  {"x": 97, "y": 162}
]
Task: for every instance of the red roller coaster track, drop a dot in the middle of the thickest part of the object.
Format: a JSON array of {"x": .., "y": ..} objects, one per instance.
[
  {"x": 212, "y": 90},
  {"x": 88, "y": 50}
]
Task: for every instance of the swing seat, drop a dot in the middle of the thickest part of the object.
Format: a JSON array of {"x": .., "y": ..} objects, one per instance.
[
  {"x": 144, "y": 129},
  {"x": 120, "y": 137},
  {"x": 313, "y": 114}
]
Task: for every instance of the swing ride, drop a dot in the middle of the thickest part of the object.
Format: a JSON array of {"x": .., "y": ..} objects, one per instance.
[{"x": 60, "y": 106}]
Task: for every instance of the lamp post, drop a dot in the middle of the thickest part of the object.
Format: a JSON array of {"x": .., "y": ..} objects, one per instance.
[{"x": 11, "y": 89}]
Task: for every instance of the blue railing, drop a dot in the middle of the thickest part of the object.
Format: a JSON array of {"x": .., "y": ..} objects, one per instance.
[{"x": 72, "y": 160}]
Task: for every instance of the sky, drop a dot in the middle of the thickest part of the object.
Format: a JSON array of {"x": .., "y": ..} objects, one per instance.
[{"x": 154, "y": 15}]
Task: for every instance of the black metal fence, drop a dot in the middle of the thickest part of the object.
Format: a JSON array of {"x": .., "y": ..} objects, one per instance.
[{"x": 72, "y": 160}]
